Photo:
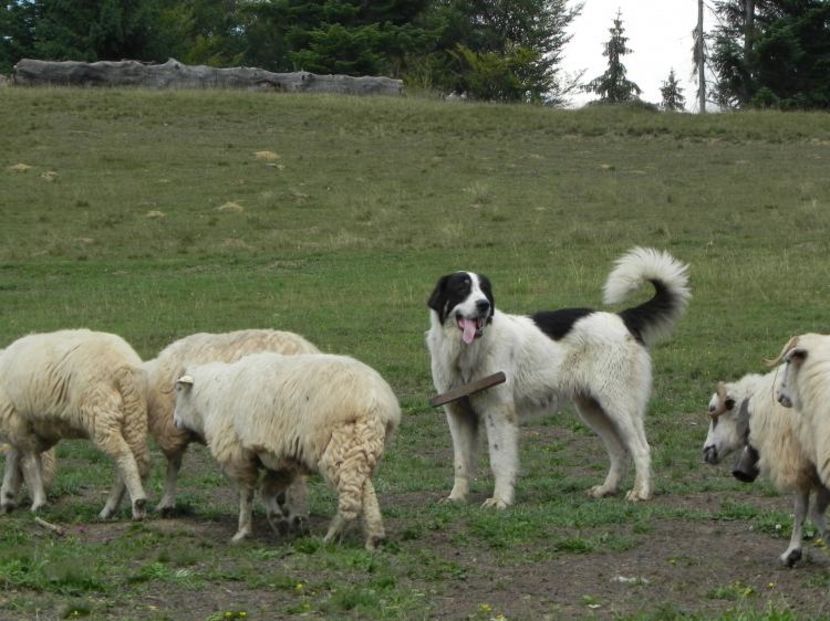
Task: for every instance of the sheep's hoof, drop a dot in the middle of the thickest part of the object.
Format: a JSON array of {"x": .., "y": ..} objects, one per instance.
[
  {"x": 166, "y": 511},
  {"x": 283, "y": 526},
  {"x": 7, "y": 508},
  {"x": 791, "y": 558},
  {"x": 300, "y": 525},
  {"x": 140, "y": 509},
  {"x": 240, "y": 536},
  {"x": 37, "y": 507},
  {"x": 374, "y": 542}
]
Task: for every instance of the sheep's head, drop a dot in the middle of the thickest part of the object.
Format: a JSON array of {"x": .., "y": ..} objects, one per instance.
[
  {"x": 185, "y": 415},
  {"x": 729, "y": 432}
]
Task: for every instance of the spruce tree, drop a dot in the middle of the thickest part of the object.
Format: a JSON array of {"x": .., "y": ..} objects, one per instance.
[
  {"x": 612, "y": 86},
  {"x": 673, "y": 99}
]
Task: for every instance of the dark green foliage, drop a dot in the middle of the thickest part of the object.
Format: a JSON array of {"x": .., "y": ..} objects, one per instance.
[
  {"x": 80, "y": 30},
  {"x": 613, "y": 86},
  {"x": 672, "y": 94},
  {"x": 507, "y": 50},
  {"x": 787, "y": 61}
]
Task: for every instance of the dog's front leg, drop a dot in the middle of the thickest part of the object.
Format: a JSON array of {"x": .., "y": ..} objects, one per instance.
[
  {"x": 463, "y": 424},
  {"x": 503, "y": 441}
]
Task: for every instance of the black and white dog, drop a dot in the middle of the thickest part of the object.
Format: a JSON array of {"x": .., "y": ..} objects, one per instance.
[{"x": 600, "y": 360}]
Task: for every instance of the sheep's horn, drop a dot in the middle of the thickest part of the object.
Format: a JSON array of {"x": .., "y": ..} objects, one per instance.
[
  {"x": 185, "y": 379},
  {"x": 778, "y": 359}
]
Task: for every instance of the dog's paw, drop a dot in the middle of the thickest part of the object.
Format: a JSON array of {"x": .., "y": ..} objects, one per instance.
[
  {"x": 601, "y": 491},
  {"x": 495, "y": 503},
  {"x": 637, "y": 496},
  {"x": 448, "y": 500}
]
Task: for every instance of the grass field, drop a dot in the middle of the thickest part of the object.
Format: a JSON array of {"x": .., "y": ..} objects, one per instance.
[{"x": 158, "y": 214}]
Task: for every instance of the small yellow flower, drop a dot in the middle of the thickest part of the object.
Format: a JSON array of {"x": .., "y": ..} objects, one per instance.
[
  {"x": 771, "y": 585},
  {"x": 299, "y": 587},
  {"x": 485, "y": 607}
]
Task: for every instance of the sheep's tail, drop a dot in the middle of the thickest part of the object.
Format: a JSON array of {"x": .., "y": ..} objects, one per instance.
[
  {"x": 132, "y": 384},
  {"x": 655, "y": 319}
]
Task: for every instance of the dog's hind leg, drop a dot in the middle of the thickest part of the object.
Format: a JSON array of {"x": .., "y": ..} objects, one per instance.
[
  {"x": 628, "y": 422},
  {"x": 598, "y": 420},
  {"x": 463, "y": 424}
]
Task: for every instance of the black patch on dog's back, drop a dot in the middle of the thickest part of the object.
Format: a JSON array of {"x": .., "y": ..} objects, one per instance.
[
  {"x": 452, "y": 289},
  {"x": 556, "y": 324}
]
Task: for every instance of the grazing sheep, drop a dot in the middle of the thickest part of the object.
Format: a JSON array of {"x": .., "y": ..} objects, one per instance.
[
  {"x": 201, "y": 348},
  {"x": 805, "y": 386},
  {"x": 746, "y": 417},
  {"x": 292, "y": 415},
  {"x": 75, "y": 384}
]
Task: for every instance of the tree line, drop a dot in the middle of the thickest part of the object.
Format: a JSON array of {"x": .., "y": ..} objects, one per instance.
[{"x": 762, "y": 52}]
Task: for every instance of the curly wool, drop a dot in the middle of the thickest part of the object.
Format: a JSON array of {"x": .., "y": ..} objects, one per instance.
[
  {"x": 306, "y": 413},
  {"x": 78, "y": 384},
  {"x": 200, "y": 348}
]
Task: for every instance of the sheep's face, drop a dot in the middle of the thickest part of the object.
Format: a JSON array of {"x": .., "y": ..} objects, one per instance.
[
  {"x": 786, "y": 389},
  {"x": 185, "y": 415},
  {"x": 729, "y": 432}
]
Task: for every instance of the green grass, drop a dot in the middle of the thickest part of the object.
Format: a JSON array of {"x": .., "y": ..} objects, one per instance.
[{"x": 117, "y": 226}]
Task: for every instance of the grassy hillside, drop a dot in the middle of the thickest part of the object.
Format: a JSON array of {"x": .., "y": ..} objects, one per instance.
[{"x": 158, "y": 214}]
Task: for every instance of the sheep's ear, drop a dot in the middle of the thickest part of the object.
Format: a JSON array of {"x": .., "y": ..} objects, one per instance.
[
  {"x": 184, "y": 381},
  {"x": 797, "y": 356}
]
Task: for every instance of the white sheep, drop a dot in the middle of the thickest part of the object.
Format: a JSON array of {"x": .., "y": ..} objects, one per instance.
[
  {"x": 290, "y": 415},
  {"x": 745, "y": 417},
  {"x": 804, "y": 385},
  {"x": 201, "y": 348},
  {"x": 75, "y": 384}
]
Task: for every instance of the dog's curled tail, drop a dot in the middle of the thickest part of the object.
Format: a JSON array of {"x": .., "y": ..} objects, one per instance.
[{"x": 655, "y": 319}]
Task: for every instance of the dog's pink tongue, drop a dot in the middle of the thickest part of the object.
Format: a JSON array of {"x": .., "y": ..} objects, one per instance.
[{"x": 469, "y": 333}]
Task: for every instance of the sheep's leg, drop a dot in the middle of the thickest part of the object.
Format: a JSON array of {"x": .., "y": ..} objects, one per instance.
[
  {"x": 817, "y": 513},
  {"x": 112, "y": 443},
  {"x": 12, "y": 481},
  {"x": 273, "y": 491},
  {"x": 595, "y": 417},
  {"x": 347, "y": 463},
  {"x": 246, "y": 503},
  {"x": 32, "y": 468},
  {"x": 375, "y": 534},
  {"x": 464, "y": 432},
  {"x": 134, "y": 432},
  {"x": 167, "y": 504},
  {"x": 115, "y": 497},
  {"x": 793, "y": 552}
]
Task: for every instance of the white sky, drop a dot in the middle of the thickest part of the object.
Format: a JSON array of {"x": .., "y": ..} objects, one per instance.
[{"x": 659, "y": 33}]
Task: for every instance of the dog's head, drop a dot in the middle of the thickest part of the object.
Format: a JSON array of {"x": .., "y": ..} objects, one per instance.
[{"x": 465, "y": 299}]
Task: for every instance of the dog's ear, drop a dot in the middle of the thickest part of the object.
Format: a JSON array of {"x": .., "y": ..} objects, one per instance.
[
  {"x": 437, "y": 299},
  {"x": 487, "y": 289}
]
